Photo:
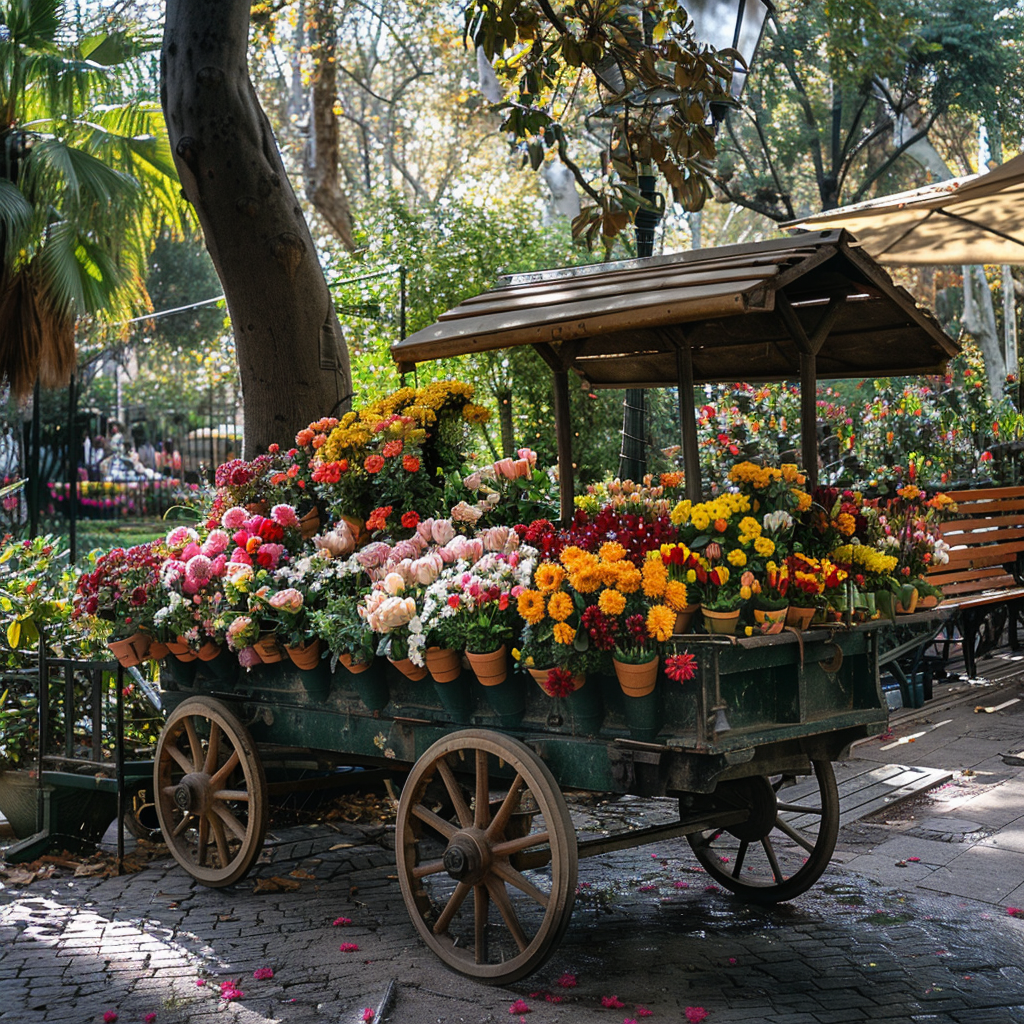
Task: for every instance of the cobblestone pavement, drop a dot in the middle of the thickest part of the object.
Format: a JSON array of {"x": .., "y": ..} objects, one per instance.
[{"x": 647, "y": 930}]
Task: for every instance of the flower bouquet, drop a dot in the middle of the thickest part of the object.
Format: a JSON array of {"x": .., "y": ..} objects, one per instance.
[{"x": 389, "y": 611}]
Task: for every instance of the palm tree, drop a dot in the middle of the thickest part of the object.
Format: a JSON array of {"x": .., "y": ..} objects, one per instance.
[{"x": 83, "y": 178}]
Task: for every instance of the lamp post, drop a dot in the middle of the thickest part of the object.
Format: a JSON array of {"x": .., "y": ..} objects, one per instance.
[{"x": 725, "y": 24}]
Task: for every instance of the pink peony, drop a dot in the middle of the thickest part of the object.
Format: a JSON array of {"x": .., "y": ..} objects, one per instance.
[
  {"x": 288, "y": 600},
  {"x": 248, "y": 657},
  {"x": 285, "y": 515},
  {"x": 180, "y": 536},
  {"x": 234, "y": 518},
  {"x": 198, "y": 570},
  {"x": 463, "y": 513},
  {"x": 373, "y": 555},
  {"x": 394, "y": 583},
  {"x": 473, "y": 481},
  {"x": 240, "y": 557},
  {"x": 215, "y": 543}
]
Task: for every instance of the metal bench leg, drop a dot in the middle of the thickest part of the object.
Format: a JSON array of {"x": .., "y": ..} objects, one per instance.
[
  {"x": 1015, "y": 607},
  {"x": 968, "y": 638}
]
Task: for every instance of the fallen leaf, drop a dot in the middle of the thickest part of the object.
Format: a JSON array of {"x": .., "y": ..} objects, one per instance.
[
  {"x": 342, "y": 846},
  {"x": 300, "y": 873},
  {"x": 276, "y": 884}
]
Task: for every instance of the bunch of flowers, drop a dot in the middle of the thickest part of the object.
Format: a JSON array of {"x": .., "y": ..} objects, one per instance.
[
  {"x": 770, "y": 488},
  {"x": 253, "y": 539},
  {"x": 390, "y": 611},
  {"x": 511, "y": 491},
  {"x": 124, "y": 588},
  {"x": 637, "y": 533},
  {"x": 835, "y": 518},
  {"x": 192, "y": 577},
  {"x": 812, "y": 580},
  {"x": 470, "y": 606},
  {"x": 652, "y": 498},
  {"x": 343, "y": 583}
]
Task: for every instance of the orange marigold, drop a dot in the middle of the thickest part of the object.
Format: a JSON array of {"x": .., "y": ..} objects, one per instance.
[
  {"x": 548, "y": 577},
  {"x": 530, "y": 605},
  {"x": 655, "y": 577},
  {"x": 611, "y": 551},
  {"x": 676, "y": 595},
  {"x": 564, "y": 633},
  {"x": 661, "y": 622},
  {"x": 611, "y": 602},
  {"x": 560, "y": 606}
]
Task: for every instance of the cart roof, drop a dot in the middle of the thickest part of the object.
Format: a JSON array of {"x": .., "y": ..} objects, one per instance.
[{"x": 619, "y": 324}]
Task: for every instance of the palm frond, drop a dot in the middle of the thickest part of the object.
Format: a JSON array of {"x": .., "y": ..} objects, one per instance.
[{"x": 15, "y": 218}]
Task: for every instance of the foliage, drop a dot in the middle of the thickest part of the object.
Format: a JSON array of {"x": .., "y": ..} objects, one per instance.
[{"x": 82, "y": 179}]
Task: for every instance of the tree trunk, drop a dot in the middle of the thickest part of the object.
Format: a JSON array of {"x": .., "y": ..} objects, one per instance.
[
  {"x": 979, "y": 321},
  {"x": 291, "y": 353}
]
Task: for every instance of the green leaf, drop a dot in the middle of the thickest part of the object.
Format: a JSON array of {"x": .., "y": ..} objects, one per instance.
[{"x": 14, "y": 633}]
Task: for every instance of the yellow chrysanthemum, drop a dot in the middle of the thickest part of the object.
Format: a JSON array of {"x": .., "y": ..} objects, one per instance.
[
  {"x": 764, "y": 546},
  {"x": 612, "y": 602},
  {"x": 629, "y": 578},
  {"x": 681, "y": 513},
  {"x": 560, "y": 606},
  {"x": 475, "y": 414},
  {"x": 803, "y": 500},
  {"x": 699, "y": 518},
  {"x": 573, "y": 556},
  {"x": 736, "y": 557},
  {"x": 676, "y": 595},
  {"x": 611, "y": 551},
  {"x": 564, "y": 633},
  {"x": 846, "y": 524},
  {"x": 548, "y": 577},
  {"x": 661, "y": 622},
  {"x": 655, "y": 577},
  {"x": 586, "y": 579},
  {"x": 750, "y": 526},
  {"x": 530, "y": 605}
]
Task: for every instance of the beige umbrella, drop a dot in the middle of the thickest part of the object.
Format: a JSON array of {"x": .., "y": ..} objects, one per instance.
[{"x": 975, "y": 219}]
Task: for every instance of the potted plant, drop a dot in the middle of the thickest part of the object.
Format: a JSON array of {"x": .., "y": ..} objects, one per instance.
[
  {"x": 803, "y": 589},
  {"x": 769, "y": 597},
  {"x": 388, "y": 611},
  {"x": 19, "y": 738},
  {"x": 126, "y": 589}
]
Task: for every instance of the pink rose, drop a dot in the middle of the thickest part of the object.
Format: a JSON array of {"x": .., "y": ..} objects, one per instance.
[
  {"x": 405, "y": 549},
  {"x": 424, "y": 530},
  {"x": 288, "y": 600},
  {"x": 473, "y": 481},
  {"x": 240, "y": 556},
  {"x": 285, "y": 515},
  {"x": 442, "y": 531},
  {"x": 463, "y": 513},
  {"x": 373, "y": 555},
  {"x": 191, "y": 550}
]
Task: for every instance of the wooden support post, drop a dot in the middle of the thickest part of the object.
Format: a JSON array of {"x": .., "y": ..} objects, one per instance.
[
  {"x": 809, "y": 417},
  {"x": 808, "y": 346},
  {"x": 688, "y": 420},
  {"x": 563, "y": 435}
]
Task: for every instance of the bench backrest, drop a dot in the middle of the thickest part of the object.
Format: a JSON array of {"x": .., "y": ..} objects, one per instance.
[{"x": 986, "y": 534}]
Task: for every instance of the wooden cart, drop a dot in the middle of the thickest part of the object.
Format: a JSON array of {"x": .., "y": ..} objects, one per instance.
[{"x": 486, "y": 849}]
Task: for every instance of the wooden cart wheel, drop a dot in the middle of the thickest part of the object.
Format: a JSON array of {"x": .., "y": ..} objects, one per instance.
[
  {"x": 211, "y": 792},
  {"x": 489, "y": 886},
  {"x": 781, "y": 850}
]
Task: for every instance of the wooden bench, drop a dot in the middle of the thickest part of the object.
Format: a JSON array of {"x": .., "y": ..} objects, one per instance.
[{"x": 984, "y": 579}]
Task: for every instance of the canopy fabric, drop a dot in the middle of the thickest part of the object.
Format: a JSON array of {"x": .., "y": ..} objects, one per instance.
[
  {"x": 975, "y": 219},
  {"x": 744, "y": 312}
]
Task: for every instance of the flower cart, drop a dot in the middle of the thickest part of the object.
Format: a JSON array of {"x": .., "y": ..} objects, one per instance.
[{"x": 612, "y": 691}]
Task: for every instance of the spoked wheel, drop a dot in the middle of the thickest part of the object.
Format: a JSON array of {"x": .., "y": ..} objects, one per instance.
[
  {"x": 488, "y": 872},
  {"x": 210, "y": 792},
  {"x": 784, "y": 845}
]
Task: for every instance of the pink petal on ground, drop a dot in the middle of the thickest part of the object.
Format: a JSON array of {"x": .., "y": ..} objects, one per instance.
[
  {"x": 648, "y": 888},
  {"x": 642, "y": 1011},
  {"x": 367, "y": 1015},
  {"x": 520, "y": 1006},
  {"x": 913, "y": 860},
  {"x": 200, "y": 982},
  {"x": 567, "y": 981},
  {"x": 262, "y": 973},
  {"x": 695, "y": 1014},
  {"x": 680, "y": 885},
  {"x": 1015, "y": 911},
  {"x": 110, "y": 1017},
  {"x": 348, "y": 947},
  {"x": 612, "y": 1002},
  {"x": 340, "y": 922},
  {"x": 149, "y": 1018}
]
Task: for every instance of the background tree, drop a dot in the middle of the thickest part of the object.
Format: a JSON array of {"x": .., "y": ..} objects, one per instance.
[
  {"x": 291, "y": 353},
  {"x": 84, "y": 179}
]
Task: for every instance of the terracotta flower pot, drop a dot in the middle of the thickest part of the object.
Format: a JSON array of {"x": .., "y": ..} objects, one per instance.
[
  {"x": 409, "y": 670},
  {"x": 355, "y": 667},
  {"x": 209, "y": 650},
  {"x": 305, "y": 657},
  {"x": 309, "y": 524},
  {"x": 490, "y": 668},
  {"x": 269, "y": 650},
  {"x": 685, "y": 617},
  {"x": 181, "y": 650},
  {"x": 132, "y": 650},
  {"x": 158, "y": 650},
  {"x": 636, "y": 680},
  {"x": 774, "y": 619},
  {"x": 720, "y": 622},
  {"x": 445, "y": 665},
  {"x": 799, "y": 618},
  {"x": 540, "y": 677},
  {"x": 931, "y": 601}
]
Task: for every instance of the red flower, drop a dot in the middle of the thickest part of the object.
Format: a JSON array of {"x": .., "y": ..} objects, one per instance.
[
  {"x": 378, "y": 518},
  {"x": 454, "y": 601},
  {"x": 410, "y": 519},
  {"x": 410, "y": 464},
  {"x": 373, "y": 463},
  {"x": 681, "y": 667},
  {"x": 558, "y": 683},
  {"x": 393, "y": 448}
]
